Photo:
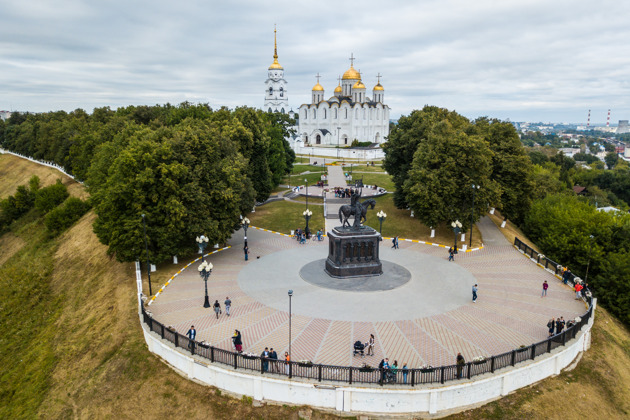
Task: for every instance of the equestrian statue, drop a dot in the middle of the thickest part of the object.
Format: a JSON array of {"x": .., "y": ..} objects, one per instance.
[{"x": 356, "y": 209}]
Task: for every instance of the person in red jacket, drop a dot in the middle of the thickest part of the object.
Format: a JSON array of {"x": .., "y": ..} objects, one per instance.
[{"x": 578, "y": 291}]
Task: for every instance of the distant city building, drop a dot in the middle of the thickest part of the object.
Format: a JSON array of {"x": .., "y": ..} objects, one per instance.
[
  {"x": 623, "y": 127},
  {"x": 276, "y": 96},
  {"x": 347, "y": 115}
]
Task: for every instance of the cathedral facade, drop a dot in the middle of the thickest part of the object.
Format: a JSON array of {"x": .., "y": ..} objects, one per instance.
[
  {"x": 276, "y": 97},
  {"x": 346, "y": 116}
]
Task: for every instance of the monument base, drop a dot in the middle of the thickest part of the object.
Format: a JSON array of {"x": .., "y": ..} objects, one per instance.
[{"x": 353, "y": 253}]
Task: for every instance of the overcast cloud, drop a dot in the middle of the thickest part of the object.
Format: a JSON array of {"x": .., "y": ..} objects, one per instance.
[{"x": 528, "y": 60}]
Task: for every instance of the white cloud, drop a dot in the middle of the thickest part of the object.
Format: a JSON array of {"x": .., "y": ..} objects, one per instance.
[{"x": 523, "y": 60}]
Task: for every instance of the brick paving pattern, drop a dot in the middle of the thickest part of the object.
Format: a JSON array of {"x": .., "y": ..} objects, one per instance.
[{"x": 509, "y": 312}]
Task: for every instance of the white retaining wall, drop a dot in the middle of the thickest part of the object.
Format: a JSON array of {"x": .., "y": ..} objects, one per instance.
[
  {"x": 371, "y": 154},
  {"x": 371, "y": 399}
]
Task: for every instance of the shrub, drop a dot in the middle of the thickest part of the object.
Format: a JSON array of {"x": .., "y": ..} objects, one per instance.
[
  {"x": 64, "y": 216},
  {"x": 50, "y": 197}
]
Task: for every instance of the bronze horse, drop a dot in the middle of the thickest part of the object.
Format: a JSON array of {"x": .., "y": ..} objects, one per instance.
[{"x": 346, "y": 211}]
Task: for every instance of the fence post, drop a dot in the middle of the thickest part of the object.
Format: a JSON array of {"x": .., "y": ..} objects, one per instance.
[
  {"x": 192, "y": 347},
  {"x": 533, "y": 351},
  {"x": 469, "y": 369},
  {"x": 290, "y": 370},
  {"x": 319, "y": 373},
  {"x": 150, "y": 324},
  {"x": 492, "y": 364},
  {"x": 413, "y": 377},
  {"x": 176, "y": 339},
  {"x": 513, "y": 357},
  {"x": 262, "y": 365},
  {"x": 442, "y": 375},
  {"x": 212, "y": 354},
  {"x": 546, "y": 263},
  {"x": 350, "y": 376},
  {"x": 162, "y": 331},
  {"x": 235, "y": 359},
  {"x": 549, "y": 345},
  {"x": 564, "y": 337}
]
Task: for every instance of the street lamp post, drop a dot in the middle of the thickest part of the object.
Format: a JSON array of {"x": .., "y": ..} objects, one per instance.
[
  {"x": 472, "y": 214},
  {"x": 457, "y": 227},
  {"x": 588, "y": 264},
  {"x": 146, "y": 247},
  {"x": 290, "y": 355},
  {"x": 205, "y": 269},
  {"x": 381, "y": 217},
  {"x": 245, "y": 223},
  {"x": 307, "y": 216},
  {"x": 202, "y": 242},
  {"x": 306, "y": 182}
]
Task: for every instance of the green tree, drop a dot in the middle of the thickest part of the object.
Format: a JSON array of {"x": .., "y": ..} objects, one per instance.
[
  {"x": 511, "y": 167},
  {"x": 611, "y": 159},
  {"x": 405, "y": 138},
  {"x": 444, "y": 168}
]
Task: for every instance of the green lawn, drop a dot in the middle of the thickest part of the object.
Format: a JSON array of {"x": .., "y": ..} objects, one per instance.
[
  {"x": 299, "y": 179},
  {"x": 382, "y": 180},
  {"x": 284, "y": 216},
  {"x": 298, "y": 169},
  {"x": 399, "y": 222}
]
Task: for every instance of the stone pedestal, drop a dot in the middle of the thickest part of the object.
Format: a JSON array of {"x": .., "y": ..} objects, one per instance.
[{"x": 353, "y": 253}]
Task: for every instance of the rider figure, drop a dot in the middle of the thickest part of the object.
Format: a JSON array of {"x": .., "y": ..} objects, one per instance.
[{"x": 356, "y": 205}]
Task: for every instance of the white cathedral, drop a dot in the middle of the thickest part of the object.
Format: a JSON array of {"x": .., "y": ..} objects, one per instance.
[{"x": 347, "y": 115}]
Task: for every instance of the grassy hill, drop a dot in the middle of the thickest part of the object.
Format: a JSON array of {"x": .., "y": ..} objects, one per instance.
[{"x": 71, "y": 345}]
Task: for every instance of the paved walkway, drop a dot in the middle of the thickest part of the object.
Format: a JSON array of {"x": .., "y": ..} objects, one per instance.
[
  {"x": 426, "y": 321},
  {"x": 336, "y": 177}
]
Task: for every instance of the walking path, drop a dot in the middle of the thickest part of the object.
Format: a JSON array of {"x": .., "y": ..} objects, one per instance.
[{"x": 425, "y": 321}]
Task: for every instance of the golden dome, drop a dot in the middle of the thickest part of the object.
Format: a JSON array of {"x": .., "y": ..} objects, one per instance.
[
  {"x": 318, "y": 87},
  {"x": 275, "y": 65},
  {"x": 338, "y": 89},
  {"x": 351, "y": 74},
  {"x": 378, "y": 87},
  {"x": 358, "y": 85}
]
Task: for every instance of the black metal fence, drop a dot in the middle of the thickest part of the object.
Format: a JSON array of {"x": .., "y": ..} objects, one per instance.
[{"x": 373, "y": 375}]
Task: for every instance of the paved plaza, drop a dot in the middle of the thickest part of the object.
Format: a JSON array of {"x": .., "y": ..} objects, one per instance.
[{"x": 425, "y": 320}]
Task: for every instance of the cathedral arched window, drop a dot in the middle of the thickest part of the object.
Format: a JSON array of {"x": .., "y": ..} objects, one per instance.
[
  {"x": 324, "y": 113},
  {"x": 270, "y": 110},
  {"x": 335, "y": 117},
  {"x": 281, "y": 92},
  {"x": 356, "y": 114},
  {"x": 270, "y": 90},
  {"x": 346, "y": 113},
  {"x": 282, "y": 110},
  {"x": 305, "y": 114},
  {"x": 314, "y": 114},
  {"x": 364, "y": 114},
  {"x": 318, "y": 139}
]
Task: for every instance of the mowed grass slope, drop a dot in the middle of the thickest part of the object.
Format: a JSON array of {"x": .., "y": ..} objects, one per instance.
[{"x": 72, "y": 347}]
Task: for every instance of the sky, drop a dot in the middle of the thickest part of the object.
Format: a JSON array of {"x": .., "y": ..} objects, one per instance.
[{"x": 523, "y": 60}]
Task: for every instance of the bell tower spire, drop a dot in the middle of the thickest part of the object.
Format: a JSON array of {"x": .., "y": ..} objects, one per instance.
[{"x": 276, "y": 99}]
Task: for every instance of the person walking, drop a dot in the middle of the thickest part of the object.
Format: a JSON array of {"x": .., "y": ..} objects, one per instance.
[
  {"x": 545, "y": 287},
  {"x": 228, "y": 305},
  {"x": 396, "y": 242},
  {"x": 246, "y": 251},
  {"x": 274, "y": 360},
  {"x": 217, "y": 308},
  {"x": 551, "y": 326},
  {"x": 460, "y": 362},
  {"x": 474, "y": 293},
  {"x": 451, "y": 255},
  {"x": 192, "y": 334},
  {"x": 370, "y": 346}
]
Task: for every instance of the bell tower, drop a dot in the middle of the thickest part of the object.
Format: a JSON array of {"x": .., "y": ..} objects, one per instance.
[{"x": 276, "y": 97}]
